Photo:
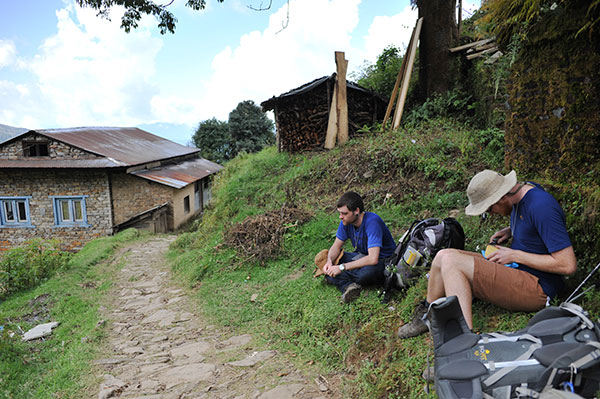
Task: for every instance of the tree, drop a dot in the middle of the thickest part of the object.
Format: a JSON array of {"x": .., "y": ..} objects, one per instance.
[
  {"x": 213, "y": 139},
  {"x": 250, "y": 128},
  {"x": 136, "y": 9},
  {"x": 438, "y": 34},
  {"x": 381, "y": 76}
]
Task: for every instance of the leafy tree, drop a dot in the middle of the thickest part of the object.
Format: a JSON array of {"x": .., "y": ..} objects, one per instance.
[
  {"x": 250, "y": 128},
  {"x": 135, "y": 9},
  {"x": 213, "y": 139},
  {"x": 381, "y": 76}
]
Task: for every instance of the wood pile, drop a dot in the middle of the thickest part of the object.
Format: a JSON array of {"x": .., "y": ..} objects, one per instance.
[{"x": 301, "y": 115}]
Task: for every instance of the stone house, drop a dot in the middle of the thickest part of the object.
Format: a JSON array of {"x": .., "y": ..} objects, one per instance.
[{"x": 81, "y": 183}]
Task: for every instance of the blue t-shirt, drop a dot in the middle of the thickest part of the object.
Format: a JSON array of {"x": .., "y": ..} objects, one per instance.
[
  {"x": 372, "y": 233},
  {"x": 537, "y": 223}
]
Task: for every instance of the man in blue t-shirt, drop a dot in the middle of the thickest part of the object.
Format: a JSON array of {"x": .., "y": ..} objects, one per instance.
[
  {"x": 372, "y": 241},
  {"x": 521, "y": 277}
]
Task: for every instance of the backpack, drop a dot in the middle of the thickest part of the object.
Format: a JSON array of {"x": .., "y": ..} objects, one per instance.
[
  {"x": 416, "y": 249},
  {"x": 557, "y": 355}
]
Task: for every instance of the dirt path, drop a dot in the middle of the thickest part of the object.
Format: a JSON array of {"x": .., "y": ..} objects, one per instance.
[{"x": 159, "y": 348}]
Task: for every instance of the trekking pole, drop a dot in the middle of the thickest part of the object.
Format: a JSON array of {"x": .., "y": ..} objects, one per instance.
[{"x": 581, "y": 284}]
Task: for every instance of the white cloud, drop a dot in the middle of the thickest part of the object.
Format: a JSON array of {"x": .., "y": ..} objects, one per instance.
[
  {"x": 8, "y": 53},
  {"x": 389, "y": 30},
  {"x": 273, "y": 61},
  {"x": 89, "y": 73}
]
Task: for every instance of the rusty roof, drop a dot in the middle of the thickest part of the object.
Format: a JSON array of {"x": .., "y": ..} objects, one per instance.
[
  {"x": 182, "y": 174},
  {"x": 127, "y": 145},
  {"x": 122, "y": 146}
]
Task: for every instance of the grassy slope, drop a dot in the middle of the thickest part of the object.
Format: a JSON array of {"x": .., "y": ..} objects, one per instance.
[
  {"x": 422, "y": 171},
  {"x": 58, "y": 367}
]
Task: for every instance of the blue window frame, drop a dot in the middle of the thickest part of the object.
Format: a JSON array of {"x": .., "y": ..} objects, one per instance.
[
  {"x": 70, "y": 210},
  {"x": 14, "y": 212}
]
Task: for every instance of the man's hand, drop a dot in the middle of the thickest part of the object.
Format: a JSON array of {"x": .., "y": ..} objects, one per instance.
[
  {"x": 331, "y": 270},
  {"x": 501, "y": 235},
  {"x": 503, "y": 255}
]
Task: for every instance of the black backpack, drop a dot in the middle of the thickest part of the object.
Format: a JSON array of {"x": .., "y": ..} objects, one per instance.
[
  {"x": 416, "y": 249},
  {"x": 558, "y": 351}
]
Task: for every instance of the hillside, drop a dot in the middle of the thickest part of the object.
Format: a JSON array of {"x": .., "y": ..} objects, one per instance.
[{"x": 250, "y": 259}]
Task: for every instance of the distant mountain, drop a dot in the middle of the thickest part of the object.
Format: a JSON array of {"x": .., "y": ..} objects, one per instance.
[{"x": 7, "y": 132}]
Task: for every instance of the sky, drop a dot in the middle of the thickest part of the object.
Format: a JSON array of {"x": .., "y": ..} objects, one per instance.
[{"x": 63, "y": 66}]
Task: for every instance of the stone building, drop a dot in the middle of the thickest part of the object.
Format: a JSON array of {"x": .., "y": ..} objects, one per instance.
[{"x": 82, "y": 183}]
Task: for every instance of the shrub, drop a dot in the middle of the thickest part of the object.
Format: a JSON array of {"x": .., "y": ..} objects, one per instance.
[{"x": 26, "y": 266}]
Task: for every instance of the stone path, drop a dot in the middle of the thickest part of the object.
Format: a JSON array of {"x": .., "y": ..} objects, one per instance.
[{"x": 159, "y": 348}]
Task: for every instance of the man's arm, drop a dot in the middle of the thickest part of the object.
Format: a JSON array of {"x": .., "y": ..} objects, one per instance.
[
  {"x": 334, "y": 251},
  {"x": 371, "y": 259},
  {"x": 559, "y": 262}
]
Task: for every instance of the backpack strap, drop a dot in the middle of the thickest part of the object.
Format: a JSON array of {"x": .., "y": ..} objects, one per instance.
[
  {"x": 579, "y": 312},
  {"x": 495, "y": 377}
]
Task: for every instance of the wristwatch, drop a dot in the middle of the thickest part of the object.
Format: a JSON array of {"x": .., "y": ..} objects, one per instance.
[{"x": 342, "y": 267}]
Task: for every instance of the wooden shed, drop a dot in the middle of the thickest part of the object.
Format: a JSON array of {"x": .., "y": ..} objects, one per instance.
[{"x": 301, "y": 115}]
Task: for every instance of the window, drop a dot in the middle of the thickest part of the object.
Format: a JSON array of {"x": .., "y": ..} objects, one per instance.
[
  {"x": 35, "y": 149},
  {"x": 186, "y": 204},
  {"x": 14, "y": 212},
  {"x": 70, "y": 211}
]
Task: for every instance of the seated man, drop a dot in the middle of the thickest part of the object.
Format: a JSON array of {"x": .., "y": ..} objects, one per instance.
[
  {"x": 372, "y": 241},
  {"x": 523, "y": 277}
]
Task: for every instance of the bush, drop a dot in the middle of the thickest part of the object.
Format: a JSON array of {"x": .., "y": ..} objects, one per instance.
[{"x": 27, "y": 266}]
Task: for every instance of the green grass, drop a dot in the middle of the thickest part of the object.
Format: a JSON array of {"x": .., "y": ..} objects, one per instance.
[
  {"x": 417, "y": 173},
  {"x": 58, "y": 366}
]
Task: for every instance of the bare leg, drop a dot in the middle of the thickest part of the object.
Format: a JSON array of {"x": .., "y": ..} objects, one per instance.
[{"x": 452, "y": 274}]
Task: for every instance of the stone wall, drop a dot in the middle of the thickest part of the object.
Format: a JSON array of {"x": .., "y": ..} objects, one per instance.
[
  {"x": 132, "y": 195},
  {"x": 553, "y": 122},
  {"x": 40, "y": 186},
  {"x": 56, "y": 149}
]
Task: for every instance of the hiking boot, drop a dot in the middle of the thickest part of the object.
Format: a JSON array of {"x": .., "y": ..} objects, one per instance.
[
  {"x": 417, "y": 325},
  {"x": 352, "y": 293}
]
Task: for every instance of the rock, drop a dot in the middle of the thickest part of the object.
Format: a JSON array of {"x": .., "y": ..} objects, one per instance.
[
  {"x": 282, "y": 392},
  {"x": 253, "y": 359},
  {"x": 40, "y": 331},
  {"x": 235, "y": 342},
  {"x": 110, "y": 387},
  {"x": 190, "y": 373}
]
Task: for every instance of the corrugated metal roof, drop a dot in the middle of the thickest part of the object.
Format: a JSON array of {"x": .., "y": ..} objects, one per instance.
[
  {"x": 180, "y": 175},
  {"x": 127, "y": 146},
  {"x": 270, "y": 103},
  {"x": 60, "y": 163}
]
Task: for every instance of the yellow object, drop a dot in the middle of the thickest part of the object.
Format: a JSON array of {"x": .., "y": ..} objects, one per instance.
[{"x": 490, "y": 249}]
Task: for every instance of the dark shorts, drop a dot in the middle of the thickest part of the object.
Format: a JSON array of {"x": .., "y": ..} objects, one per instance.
[{"x": 507, "y": 287}]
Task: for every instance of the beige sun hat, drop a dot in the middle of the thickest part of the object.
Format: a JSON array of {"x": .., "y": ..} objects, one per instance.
[
  {"x": 321, "y": 259},
  {"x": 486, "y": 188}
]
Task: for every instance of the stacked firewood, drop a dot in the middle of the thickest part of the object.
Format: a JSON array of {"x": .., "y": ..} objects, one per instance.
[{"x": 302, "y": 119}]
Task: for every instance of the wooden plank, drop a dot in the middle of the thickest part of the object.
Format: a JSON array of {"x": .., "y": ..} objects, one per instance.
[
  {"x": 406, "y": 78},
  {"x": 469, "y": 45},
  {"x": 390, "y": 106},
  {"x": 342, "y": 99},
  {"x": 481, "y": 48},
  {"x": 332, "y": 127},
  {"x": 481, "y": 53}
]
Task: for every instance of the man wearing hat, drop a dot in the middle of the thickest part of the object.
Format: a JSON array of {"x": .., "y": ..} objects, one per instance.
[
  {"x": 523, "y": 277},
  {"x": 372, "y": 241}
]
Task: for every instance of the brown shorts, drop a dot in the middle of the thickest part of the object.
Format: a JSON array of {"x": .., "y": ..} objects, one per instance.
[{"x": 507, "y": 287}]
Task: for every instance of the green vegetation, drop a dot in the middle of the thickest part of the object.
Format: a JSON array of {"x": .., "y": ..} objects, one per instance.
[
  {"x": 59, "y": 366},
  {"x": 27, "y": 266},
  {"x": 248, "y": 130},
  {"x": 419, "y": 172}
]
